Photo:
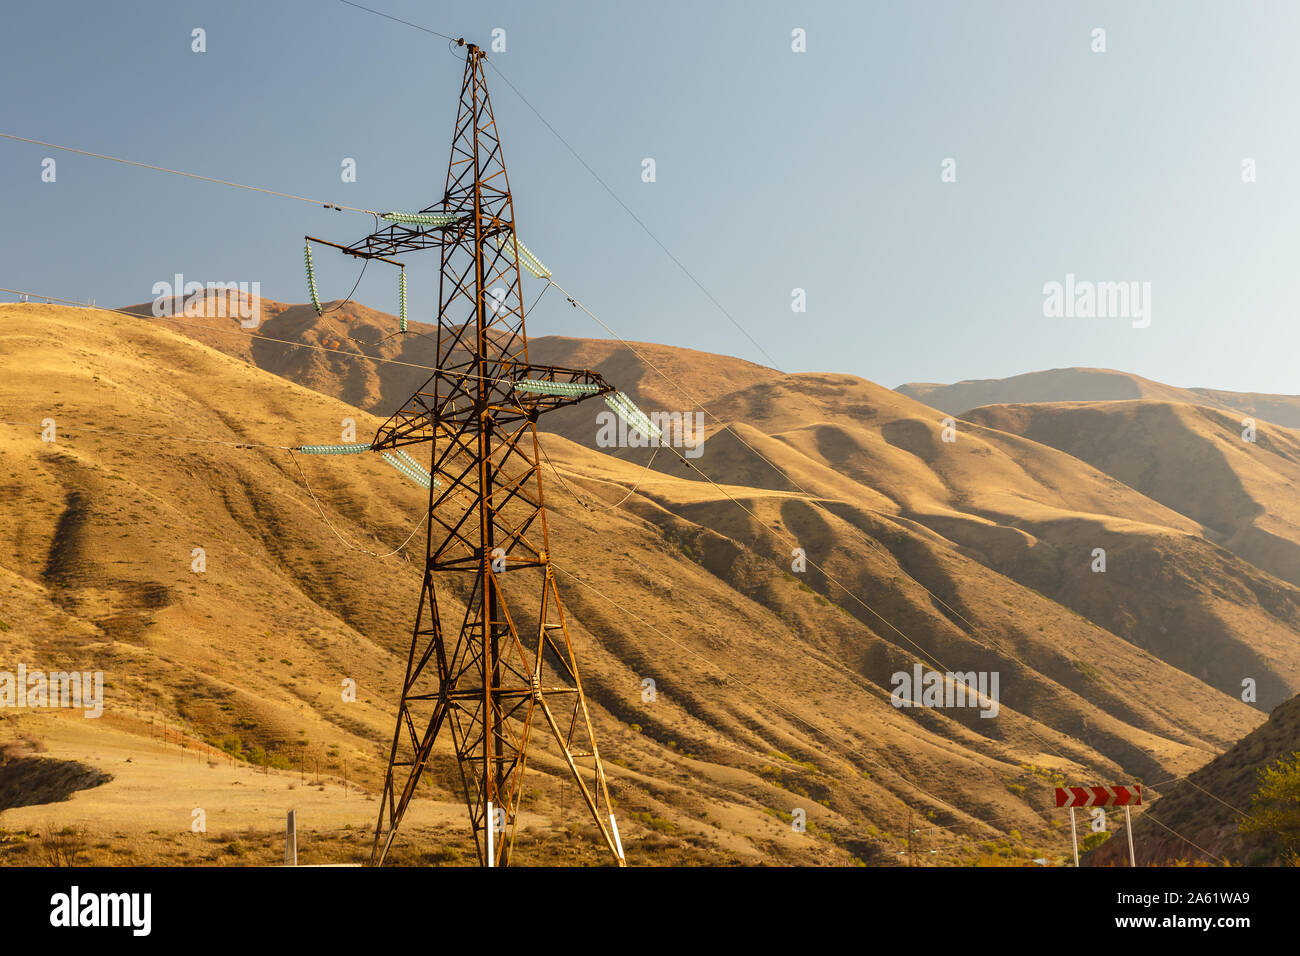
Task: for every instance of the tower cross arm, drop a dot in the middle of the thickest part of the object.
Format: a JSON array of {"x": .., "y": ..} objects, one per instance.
[
  {"x": 411, "y": 237},
  {"x": 545, "y": 388},
  {"x": 517, "y": 391}
]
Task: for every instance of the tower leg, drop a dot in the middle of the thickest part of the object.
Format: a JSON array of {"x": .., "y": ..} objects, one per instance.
[{"x": 417, "y": 726}]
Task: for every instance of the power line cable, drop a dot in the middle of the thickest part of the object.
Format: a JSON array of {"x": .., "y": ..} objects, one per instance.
[
  {"x": 179, "y": 172},
  {"x": 595, "y": 175},
  {"x": 330, "y": 525},
  {"x": 398, "y": 20}
]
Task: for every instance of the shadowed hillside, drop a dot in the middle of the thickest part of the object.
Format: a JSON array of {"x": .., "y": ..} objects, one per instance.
[{"x": 1195, "y": 460}]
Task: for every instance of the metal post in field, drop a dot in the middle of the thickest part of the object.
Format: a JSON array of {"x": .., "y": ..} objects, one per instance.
[{"x": 291, "y": 840}]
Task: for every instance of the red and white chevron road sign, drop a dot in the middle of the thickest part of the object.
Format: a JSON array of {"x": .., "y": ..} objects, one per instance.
[{"x": 1099, "y": 796}]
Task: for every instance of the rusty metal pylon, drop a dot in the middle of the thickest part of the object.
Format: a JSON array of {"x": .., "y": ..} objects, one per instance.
[{"x": 509, "y": 662}]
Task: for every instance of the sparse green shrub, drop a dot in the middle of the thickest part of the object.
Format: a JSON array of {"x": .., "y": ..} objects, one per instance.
[
  {"x": 654, "y": 822},
  {"x": 1092, "y": 841},
  {"x": 1275, "y": 805}
]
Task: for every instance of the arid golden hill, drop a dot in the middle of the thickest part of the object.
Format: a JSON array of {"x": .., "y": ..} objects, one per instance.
[
  {"x": 1238, "y": 483},
  {"x": 773, "y": 685},
  {"x": 1098, "y": 385}
]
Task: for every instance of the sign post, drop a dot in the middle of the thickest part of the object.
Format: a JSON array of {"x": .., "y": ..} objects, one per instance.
[
  {"x": 1130, "y": 796},
  {"x": 291, "y": 840},
  {"x": 1128, "y": 823},
  {"x": 1074, "y": 837}
]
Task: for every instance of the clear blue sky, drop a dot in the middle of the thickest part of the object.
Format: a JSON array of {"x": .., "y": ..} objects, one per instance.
[{"x": 775, "y": 170}]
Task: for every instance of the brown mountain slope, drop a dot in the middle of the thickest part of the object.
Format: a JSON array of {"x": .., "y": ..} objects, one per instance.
[
  {"x": 1020, "y": 510},
  {"x": 1193, "y": 459},
  {"x": 1024, "y": 512},
  {"x": 97, "y": 542},
  {"x": 772, "y": 690},
  {"x": 1028, "y": 514},
  {"x": 1097, "y": 385}
]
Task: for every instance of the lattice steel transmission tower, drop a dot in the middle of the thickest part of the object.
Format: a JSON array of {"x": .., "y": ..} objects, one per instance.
[{"x": 508, "y": 663}]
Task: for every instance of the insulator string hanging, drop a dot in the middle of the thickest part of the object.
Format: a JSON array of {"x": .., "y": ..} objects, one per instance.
[
  {"x": 422, "y": 480},
  {"x": 418, "y": 469},
  {"x": 526, "y": 257},
  {"x": 626, "y": 409},
  {"x": 401, "y": 300},
  {"x": 311, "y": 280}
]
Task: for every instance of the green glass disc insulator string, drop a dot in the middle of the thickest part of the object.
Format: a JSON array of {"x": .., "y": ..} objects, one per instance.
[
  {"x": 531, "y": 262},
  {"x": 401, "y": 300},
  {"x": 554, "y": 388},
  {"x": 438, "y": 219},
  {"x": 425, "y": 477},
  {"x": 627, "y": 410},
  {"x": 527, "y": 260},
  {"x": 311, "y": 279},
  {"x": 333, "y": 449},
  {"x": 420, "y": 477}
]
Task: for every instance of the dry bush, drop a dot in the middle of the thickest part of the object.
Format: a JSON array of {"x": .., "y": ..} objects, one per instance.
[{"x": 61, "y": 846}]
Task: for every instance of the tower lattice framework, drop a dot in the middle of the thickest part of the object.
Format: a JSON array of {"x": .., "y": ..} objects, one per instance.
[{"x": 507, "y": 665}]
